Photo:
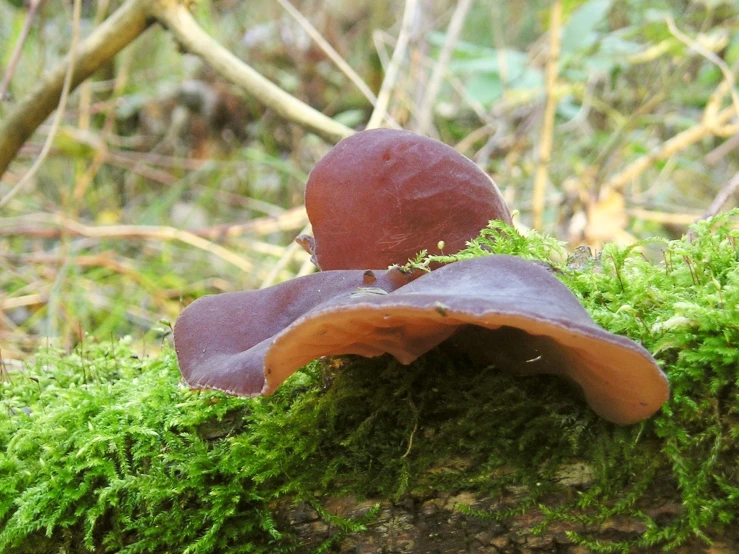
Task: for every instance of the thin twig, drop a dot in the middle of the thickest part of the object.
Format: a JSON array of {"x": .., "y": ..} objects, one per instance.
[
  {"x": 677, "y": 143},
  {"x": 728, "y": 75},
  {"x": 426, "y": 110},
  {"x": 715, "y": 101},
  {"x": 292, "y": 249},
  {"x": 307, "y": 268},
  {"x": 16, "y": 55},
  {"x": 329, "y": 50},
  {"x": 381, "y": 38},
  {"x": 727, "y": 130},
  {"x": 289, "y": 220},
  {"x": 101, "y": 153},
  {"x": 105, "y": 260},
  {"x": 580, "y": 119},
  {"x": 116, "y": 32},
  {"x": 85, "y": 93},
  {"x": 413, "y": 431},
  {"x": 38, "y": 226},
  {"x": 391, "y": 75},
  {"x": 499, "y": 40},
  {"x": 722, "y": 150},
  {"x": 72, "y": 228},
  {"x": 624, "y": 125},
  {"x": 471, "y": 138},
  {"x": 730, "y": 188},
  {"x": 547, "y": 133},
  {"x": 76, "y": 13},
  {"x": 661, "y": 217}
]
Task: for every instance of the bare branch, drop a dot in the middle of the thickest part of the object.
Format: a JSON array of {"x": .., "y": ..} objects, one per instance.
[
  {"x": 181, "y": 24},
  {"x": 59, "y": 110},
  {"x": 545, "y": 144},
  {"x": 383, "y": 99},
  {"x": 291, "y": 252},
  {"x": 127, "y": 23}
]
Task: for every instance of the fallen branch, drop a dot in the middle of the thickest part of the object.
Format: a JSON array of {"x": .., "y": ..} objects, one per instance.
[
  {"x": 107, "y": 40},
  {"x": 117, "y": 32}
]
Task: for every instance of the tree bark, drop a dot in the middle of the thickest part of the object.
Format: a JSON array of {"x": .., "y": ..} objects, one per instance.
[{"x": 442, "y": 524}]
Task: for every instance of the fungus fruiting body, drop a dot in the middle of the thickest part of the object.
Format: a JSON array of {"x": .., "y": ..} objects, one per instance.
[
  {"x": 543, "y": 326},
  {"x": 380, "y": 197},
  {"x": 377, "y": 199}
]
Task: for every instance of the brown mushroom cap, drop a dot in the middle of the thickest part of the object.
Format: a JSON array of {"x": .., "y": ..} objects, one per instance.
[
  {"x": 221, "y": 340},
  {"x": 544, "y": 329},
  {"x": 381, "y": 196}
]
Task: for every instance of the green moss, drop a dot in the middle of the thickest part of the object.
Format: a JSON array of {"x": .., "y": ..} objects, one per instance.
[{"x": 103, "y": 451}]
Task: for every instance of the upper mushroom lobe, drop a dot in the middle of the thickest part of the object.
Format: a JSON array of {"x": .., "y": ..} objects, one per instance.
[
  {"x": 532, "y": 324},
  {"x": 380, "y": 197}
]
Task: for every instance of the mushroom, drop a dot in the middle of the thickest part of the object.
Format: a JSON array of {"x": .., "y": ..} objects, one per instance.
[
  {"x": 381, "y": 196},
  {"x": 531, "y": 323},
  {"x": 221, "y": 339},
  {"x": 377, "y": 199}
]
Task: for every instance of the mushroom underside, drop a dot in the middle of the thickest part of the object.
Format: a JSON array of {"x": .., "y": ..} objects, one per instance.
[
  {"x": 618, "y": 380},
  {"x": 501, "y": 310}
]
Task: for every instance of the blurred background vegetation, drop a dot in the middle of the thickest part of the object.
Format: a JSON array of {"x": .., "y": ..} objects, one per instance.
[{"x": 166, "y": 182}]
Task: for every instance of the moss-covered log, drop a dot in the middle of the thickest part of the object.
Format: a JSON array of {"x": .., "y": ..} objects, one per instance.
[{"x": 102, "y": 451}]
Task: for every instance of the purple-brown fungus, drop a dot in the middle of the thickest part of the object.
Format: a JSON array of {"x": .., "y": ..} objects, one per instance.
[
  {"x": 534, "y": 324},
  {"x": 380, "y": 197},
  {"x": 376, "y": 200},
  {"x": 221, "y": 340}
]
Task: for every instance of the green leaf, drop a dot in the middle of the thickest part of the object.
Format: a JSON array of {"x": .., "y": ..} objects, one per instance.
[{"x": 579, "y": 32}]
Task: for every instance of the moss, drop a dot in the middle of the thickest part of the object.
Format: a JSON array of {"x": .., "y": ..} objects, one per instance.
[{"x": 103, "y": 451}]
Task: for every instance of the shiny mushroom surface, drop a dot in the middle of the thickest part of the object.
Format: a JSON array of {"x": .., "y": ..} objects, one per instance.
[
  {"x": 381, "y": 196},
  {"x": 536, "y": 325}
]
